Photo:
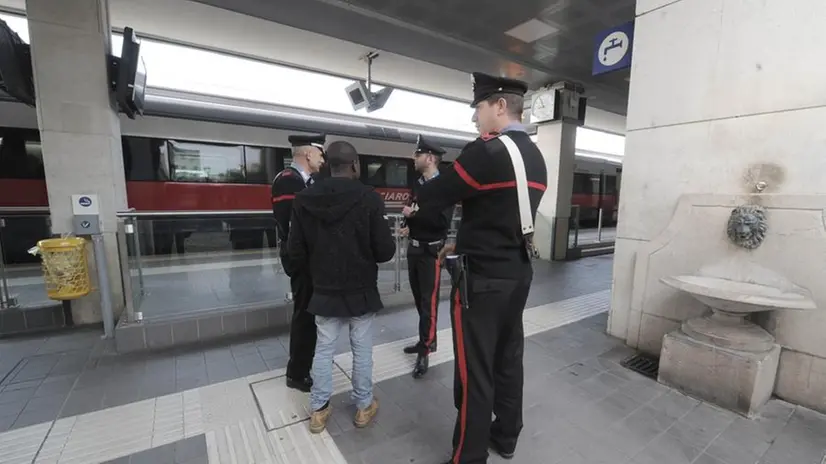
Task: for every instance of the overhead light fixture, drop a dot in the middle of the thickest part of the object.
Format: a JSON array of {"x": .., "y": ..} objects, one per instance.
[
  {"x": 531, "y": 31},
  {"x": 361, "y": 94}
]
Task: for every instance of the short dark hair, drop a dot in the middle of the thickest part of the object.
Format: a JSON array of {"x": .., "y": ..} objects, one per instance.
[
  {"x": 341, "y": 155},
  {"x": 516, "y": 103}
]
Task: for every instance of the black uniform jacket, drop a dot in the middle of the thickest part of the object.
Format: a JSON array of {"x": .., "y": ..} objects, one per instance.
[
  {"x": 285, "y": 186},
  {"x": 482, "y": 179},
  {"x": 428, "y": 225}
]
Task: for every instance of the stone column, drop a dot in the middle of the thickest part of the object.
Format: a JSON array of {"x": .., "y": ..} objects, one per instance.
[
  {"x": 724, "y": 94},
  {"x": 557, "y": 141},
  {"x": 79, "y": 126}
]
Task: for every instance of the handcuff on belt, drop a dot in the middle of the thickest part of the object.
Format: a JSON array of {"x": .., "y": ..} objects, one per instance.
[{"x": 417, "y": 243}]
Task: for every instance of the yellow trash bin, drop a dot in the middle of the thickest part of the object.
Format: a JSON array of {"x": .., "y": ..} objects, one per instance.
[{"x": 65, "y": 269}]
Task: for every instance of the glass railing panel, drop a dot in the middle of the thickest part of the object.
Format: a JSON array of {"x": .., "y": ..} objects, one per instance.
[
  {"x": 189, "y": 263},
  {"x": 181, "y": 263},
  {"x": 573, "y": 227},
  {"x": 133, "y": 257},
  {"x": 21, "y": 277},
  {"x": 597, "y": 226}
]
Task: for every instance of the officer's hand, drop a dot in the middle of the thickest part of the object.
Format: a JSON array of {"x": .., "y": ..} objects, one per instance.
[
  {"x": 407, "y": 211},
  {"x": 446, "y": 250},
  {"x": 404, "y": 231}
]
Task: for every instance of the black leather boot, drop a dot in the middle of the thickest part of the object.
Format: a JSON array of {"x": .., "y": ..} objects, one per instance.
[
  {"x": 422, "y": 364},
  {"x": 304, "y": 384},
  {"x": 496, "y": 448},
  {"x": 412, "y": 349}
]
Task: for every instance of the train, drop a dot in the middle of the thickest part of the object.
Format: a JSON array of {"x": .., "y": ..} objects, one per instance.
[{"x": 200, "y": 155}]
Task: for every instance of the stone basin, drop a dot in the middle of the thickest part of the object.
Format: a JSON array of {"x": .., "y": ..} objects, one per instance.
[{"x": 740, "y": 298}]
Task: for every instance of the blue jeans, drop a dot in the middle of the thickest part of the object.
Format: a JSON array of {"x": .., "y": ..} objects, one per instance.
[{"x": 361, "y": 344}]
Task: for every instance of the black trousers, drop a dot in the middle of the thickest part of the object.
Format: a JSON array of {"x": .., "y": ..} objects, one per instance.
[
  {"x": 425, "y": 277},
  {"x": 489, "y": 344},
  {"x": 302, "y": 329}
]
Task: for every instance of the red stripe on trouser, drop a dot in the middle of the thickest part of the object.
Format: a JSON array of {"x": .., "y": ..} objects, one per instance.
[
  {"x": 434, "y": 306},
  {"x": 462, "y": 363}
]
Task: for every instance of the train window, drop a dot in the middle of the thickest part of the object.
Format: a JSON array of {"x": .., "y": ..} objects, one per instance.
[
  {"x": 21, "y": 156},
  {"x": 261, "y": 164},
  {"x": 372, "y": 172},
  {"x": 286, "y": 160},
  {"x": 610, "y": 185},
  {"x": 201, "y": 162},
  {"x": 396, "y": 173},
  {"x": 583, "y": 184},
  {"x": 145, "y": 159}
]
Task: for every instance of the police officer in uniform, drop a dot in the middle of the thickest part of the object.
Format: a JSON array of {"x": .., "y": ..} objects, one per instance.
[
  {"x": 427, "y": 233},
  {"x": 490, "y": 267},
  {"x": 307, "y": 161}
]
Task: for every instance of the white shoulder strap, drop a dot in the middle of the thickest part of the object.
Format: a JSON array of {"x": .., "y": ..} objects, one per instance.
[{"x": 525, "y": 216}]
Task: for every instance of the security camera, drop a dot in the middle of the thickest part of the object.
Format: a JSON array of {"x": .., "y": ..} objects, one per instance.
[{"x": 360, "y": 92}]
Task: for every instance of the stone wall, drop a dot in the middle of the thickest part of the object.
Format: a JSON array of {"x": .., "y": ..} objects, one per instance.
[{"x": 723, "y": 96}]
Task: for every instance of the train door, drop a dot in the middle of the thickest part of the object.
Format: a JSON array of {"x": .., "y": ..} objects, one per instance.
[{"x": 392, "y": 178}]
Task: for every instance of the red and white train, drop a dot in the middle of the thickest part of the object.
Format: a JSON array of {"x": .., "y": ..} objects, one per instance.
[{"x": 192, "y": 152}]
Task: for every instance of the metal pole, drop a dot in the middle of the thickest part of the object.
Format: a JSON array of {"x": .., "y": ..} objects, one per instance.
[
  {"x": 5, "y": 302},
  {"x": 398, "y": 263},
  {"x": 137, "y": 233},
  {"x": 599, "y": 226},
  {"x": 103, "y": 287},
  {"x": 576, "y": 228}
]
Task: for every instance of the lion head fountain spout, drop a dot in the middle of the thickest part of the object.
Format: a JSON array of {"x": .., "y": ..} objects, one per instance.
[{"x": 747, "y": 226}]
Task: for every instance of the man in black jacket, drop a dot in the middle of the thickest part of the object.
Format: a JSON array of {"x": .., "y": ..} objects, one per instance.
[
  {"x": 427, "y": 233},
  {"x": 339, "y": 235}
]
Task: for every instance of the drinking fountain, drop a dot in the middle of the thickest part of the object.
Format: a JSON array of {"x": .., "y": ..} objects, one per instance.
[{"x": 723, "y": 357}]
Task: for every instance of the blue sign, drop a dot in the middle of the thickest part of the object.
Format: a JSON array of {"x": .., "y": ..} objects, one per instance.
[
  {"x": 612, "y": 49},
  {"x": 85, "y": 202}
]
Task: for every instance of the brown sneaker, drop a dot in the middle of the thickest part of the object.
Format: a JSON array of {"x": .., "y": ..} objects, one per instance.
[
  {"x": 364, "y": 416},
  {"x": 318, "y": 419}
]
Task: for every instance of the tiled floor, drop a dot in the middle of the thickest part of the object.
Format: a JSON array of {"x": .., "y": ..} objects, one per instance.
[
  {"x": 43, "y": 378},
  {"x": 582, "y": 407},
  {"x": 69, "y": 399}
]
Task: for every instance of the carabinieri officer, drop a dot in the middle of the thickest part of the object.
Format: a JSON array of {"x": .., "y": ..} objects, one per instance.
[
  {"x": 490, "y": 267},
  {"x": 427, "y": 232},
  {"x": 307, "y": 161}
]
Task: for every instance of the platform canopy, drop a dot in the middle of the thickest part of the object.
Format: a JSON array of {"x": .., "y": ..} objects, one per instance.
[
  {"x": 426, "y": 47},
  {"x": 538, "y": 41}
]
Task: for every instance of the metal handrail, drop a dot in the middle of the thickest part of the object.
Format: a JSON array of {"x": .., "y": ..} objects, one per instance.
[
  {"x": 230, "y": 213},
  {"x": 139, "y": 214},
  {"x": 24, "y": 209}
]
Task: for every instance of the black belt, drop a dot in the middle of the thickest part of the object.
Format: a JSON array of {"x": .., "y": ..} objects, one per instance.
[{"x": 417, "y": 243}]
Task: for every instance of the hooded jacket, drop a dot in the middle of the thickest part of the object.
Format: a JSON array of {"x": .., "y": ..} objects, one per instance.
[{"x": 339, "y": 235}]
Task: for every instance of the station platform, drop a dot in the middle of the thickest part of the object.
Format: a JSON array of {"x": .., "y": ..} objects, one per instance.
[{"x": 69, "y": 398}]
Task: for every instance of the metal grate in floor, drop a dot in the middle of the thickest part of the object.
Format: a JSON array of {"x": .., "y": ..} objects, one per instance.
[{"x": 644, "y": 364}]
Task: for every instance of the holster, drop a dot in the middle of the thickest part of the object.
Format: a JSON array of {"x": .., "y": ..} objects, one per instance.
[{"x": 456, "y": 266}]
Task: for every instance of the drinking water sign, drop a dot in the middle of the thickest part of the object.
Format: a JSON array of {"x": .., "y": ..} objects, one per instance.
[{"x": 612, "y": 49}]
